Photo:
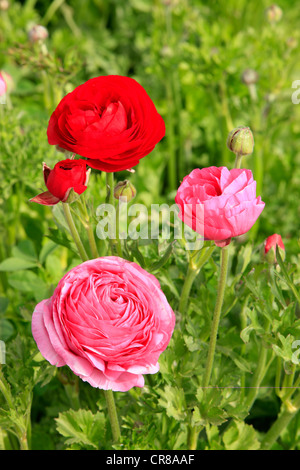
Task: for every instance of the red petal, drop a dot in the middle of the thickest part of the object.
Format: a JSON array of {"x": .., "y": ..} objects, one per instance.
[{"x": 46, "y": 198}]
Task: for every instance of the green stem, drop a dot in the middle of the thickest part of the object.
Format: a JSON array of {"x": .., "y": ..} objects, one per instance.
[
  {"x": 293, "y": 387},
  {"x": 115, "y": 244},
  {"x": 243, "y": 317},
  {"x": 193, "y": 437},
  {"x": 257, "y": 377},
  {"x": 5, "y": 391},
  {"x": 238, "y": 160},
  {"x": 112, "y": 412},
  {"x": 188, "y": 282},
  {"x": 74, "y": 232},
  {"x": 192, "y": 272},
  {"x": 20, "y": 429},
  {"x": 92, "y": 241},
  {"x": 278, "y": 376},
  {"x": 172, "y": 164},
  {"x": 288, "y": 412},
  {"x": 89, "y": 228},
  {"x": 217, "y": 315}
]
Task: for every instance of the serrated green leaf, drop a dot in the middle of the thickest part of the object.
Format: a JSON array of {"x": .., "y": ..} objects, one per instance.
[
  {"x": 240, "y": 436},
  {"x": 81, "y": 427},
  {"x": 173, "y": 400}
]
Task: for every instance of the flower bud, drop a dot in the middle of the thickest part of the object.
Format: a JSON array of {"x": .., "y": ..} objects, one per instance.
[
  {"x": 249, "y": 76},
  {"x": 241, "y": 141},
  {"x": 4, "y": 5},
  {"x": 125, "y": 190},
  {"x": 270, "y": 248},
  {"x": 291, "y": 42},
  {"x": 65, "y": 182},
  {"x": 38, "y": 33},
  {"x": 274, "y": 14}
]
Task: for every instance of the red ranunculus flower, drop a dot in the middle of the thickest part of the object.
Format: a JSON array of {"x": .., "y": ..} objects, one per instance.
[
  {"x": 110, "y": 120},
  {"x": 66, "y": 175}
]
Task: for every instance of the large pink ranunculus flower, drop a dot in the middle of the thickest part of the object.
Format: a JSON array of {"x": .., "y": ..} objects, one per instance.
[
  {"x": 108, "y": 320},
  {"x": 219, "y": 203}
]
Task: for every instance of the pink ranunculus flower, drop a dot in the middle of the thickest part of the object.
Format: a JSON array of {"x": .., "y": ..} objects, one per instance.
[
  {"x": 219, "y": 203},
  {"x": 108, "y": 320}
]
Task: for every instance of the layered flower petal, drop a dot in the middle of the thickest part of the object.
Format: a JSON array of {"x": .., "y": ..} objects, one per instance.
[
  {"x": 108, "y": 320},
  {"x": 219, "y": 203},
  {"x": 110, "y": 120}
]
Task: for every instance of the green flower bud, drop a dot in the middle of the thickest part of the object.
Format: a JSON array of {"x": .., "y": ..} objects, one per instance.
[
  {"x": 125, "y": 190},
  {"x": 241, "y": 141},
  {"x": 274, "y": 14}
]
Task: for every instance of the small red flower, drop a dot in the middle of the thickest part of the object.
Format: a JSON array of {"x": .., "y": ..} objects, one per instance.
[
  {"x": 66, "y": 175},
  {"x": 270, "y": 247}
]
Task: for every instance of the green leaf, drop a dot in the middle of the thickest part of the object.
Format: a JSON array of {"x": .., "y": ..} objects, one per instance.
[
  {"x": 240, "y": 436},
  {"x": 3, "y": 304},
  {"x": 17, "y": 264},
  {"x": 59, "y": 237},
  {"x": 159, "y": 264},
  {"x": 28, "y": 281},
  {"x": 46, "y": 250},
  {"x": 286, "y": 350},
  {"x": 25, "y": 249},
  {"x": 81, "y": 427},
  {"x": 173, "y": 400},
  {"x": 6, "y": 330},
  {"x": 239, "y": 361},
  {"x": 286, "y": 275}
]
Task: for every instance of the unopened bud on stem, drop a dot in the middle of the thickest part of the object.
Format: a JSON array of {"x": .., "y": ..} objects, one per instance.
[
  {"x": 274, "y": 14},
  {"x": 270, "y": 248},
  {"x": 240, "y": 141},
  {"x": 124, "y": 190},
  {"x": 38, "y": 33}
]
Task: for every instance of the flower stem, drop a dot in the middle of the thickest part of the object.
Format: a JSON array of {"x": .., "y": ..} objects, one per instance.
[
  {"x": 258, "y": 376},
  {"x": 217, "y": 315},
  {"x": 113, "y": 417},
  {"x": 192, "y": 272},
  {"x": 89, "y": 229},
  {"x": 115, "y": 244},
  {"x": 238, "y": 160},
  {"x": 74, "y": 232},
  {"x": 283, "y": 420},
  {"x": 193, "y": 437},
  {"x": 188, "y": 282}
]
